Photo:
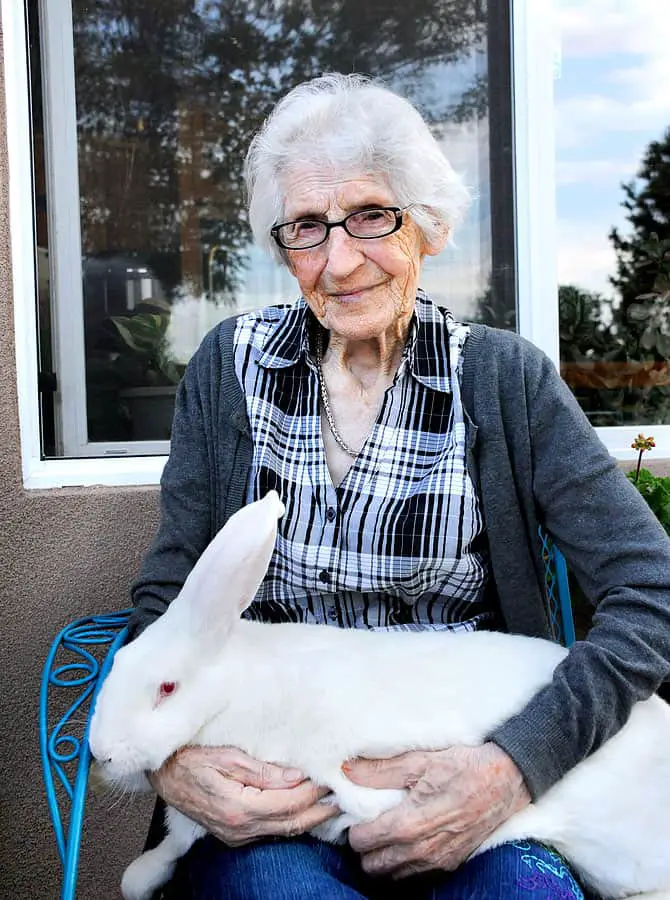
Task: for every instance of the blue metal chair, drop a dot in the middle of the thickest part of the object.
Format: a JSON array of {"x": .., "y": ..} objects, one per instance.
[
  {"x": 558, "y": 591},
  {"x": 74, "y": 664},
  {"x": 79, "y": 660}
]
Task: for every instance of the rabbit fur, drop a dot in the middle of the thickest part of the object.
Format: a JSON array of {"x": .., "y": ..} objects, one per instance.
[{"x": 311, "y": 697}]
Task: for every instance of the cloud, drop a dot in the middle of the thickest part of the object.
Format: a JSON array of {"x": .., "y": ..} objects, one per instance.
[
  {"x": 635, "y": 98},
  {"x": 583, "y": 118},
  {"x": 592, "y": 28},
  {"x": 578, "y": 171},
  {"x": 466, "y": 146},
  {"x": 586, "y": 257}
]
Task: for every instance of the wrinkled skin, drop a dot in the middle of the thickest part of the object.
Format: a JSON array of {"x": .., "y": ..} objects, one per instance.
[
  {"x": 457, "y": 798},
  {"x": 362, "y": 291},
  {"x": 237, "y": 798}
]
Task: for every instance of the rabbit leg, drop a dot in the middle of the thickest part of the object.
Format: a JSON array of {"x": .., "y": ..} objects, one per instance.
[
  {"x": 358, "y": 804},
  {"x": 154, "y": 868},
  {"x": 363, "y": 803}
]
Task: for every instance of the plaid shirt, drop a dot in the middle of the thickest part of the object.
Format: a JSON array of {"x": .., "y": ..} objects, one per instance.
[{"x": 399, "y": 543}]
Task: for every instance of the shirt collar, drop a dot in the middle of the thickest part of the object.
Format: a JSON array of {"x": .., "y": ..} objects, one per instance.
[
  {"x": 288, "y": 342},
  {"x": 427, "y": 350},
  {"x": 426, "y": 353}
]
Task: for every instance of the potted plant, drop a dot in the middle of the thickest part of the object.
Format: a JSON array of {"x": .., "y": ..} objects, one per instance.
[
  {"x": 654, "y": 488},
  {"x": 151, "y": 371}
]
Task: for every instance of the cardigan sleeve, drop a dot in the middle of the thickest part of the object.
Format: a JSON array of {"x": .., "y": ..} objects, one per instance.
[
  {"x": 186, "y": 496},
  {"x": 621, "y": 557}
]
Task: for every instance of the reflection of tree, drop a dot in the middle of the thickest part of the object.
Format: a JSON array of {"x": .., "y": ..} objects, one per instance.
[
  {"x": 493, "y": 309},
  {"x": 169, "y": 93},
  {"x": 647, "y": 203},
  {"x": 583, "y": 330},
  {"x": 614, "y": 352}
]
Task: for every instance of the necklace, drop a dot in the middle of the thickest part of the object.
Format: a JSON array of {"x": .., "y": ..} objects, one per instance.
[{"x": 325, "y": 402}]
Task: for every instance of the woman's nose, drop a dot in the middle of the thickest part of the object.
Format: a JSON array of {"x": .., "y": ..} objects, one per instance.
[{"x": 344, "y": 253}]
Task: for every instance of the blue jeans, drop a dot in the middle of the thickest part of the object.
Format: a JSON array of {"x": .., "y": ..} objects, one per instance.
[{"x": 307, "y": 869}]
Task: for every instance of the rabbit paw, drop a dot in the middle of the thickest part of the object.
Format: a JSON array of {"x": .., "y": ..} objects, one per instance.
[
  {"x": 144, "y": 875},
  {"x": 334, "y": 831},
  {"x": 365, "y": 804}
]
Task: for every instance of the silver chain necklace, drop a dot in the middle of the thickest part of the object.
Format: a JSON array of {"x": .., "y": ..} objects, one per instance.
[{"x": 325, "y": 402}]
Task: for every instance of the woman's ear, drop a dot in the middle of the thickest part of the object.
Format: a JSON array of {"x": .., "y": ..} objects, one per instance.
[{"x": 437, "y": 242}]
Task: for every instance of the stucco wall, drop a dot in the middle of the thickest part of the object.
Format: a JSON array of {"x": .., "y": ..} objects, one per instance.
[{"x": 63, "y": 553}]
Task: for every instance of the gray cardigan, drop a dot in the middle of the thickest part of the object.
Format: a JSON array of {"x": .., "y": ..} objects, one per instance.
[{"x": 535, "y": 459}]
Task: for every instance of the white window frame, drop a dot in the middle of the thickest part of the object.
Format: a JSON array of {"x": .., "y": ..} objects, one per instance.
[
  {"x": 66, "y": 284},
  {"x": 65, "y": 277},
  {"x": 536, "y": 54},
  {"x": 534, "y": 47}
]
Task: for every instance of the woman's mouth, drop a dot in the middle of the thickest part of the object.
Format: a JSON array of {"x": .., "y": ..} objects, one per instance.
[{"x": 349, "y": 296}]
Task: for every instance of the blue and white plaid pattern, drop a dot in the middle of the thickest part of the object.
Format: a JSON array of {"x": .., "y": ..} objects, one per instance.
[{"x": 399, "y": 543}]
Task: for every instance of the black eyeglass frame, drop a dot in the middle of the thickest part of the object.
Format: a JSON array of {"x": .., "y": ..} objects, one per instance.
[{"x": 397, "y": 210}]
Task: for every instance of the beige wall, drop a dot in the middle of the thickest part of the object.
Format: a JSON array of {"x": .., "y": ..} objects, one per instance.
[{"x": 63, "y": 553}]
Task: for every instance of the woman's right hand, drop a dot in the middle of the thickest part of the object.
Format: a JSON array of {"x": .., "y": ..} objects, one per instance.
[{"x": 237, "y": 798}]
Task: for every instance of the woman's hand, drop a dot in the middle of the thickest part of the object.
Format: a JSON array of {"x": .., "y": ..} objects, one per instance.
[
  {"x": 457, "y": 798},
  {"x": 237, "y": 798}
]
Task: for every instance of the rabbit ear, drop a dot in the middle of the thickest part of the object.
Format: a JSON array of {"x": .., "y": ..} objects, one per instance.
[{"x": 226, "y": 577}]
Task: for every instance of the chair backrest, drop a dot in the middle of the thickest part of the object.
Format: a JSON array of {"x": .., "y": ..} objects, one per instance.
[{"x": 78, "y": 660}]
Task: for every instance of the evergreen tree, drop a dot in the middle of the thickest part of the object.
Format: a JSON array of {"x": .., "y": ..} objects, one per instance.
[{"x": 642, "y": 256}]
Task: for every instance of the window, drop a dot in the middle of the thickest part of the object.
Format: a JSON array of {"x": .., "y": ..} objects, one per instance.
[
  {"x": 142, "y": 114},
  {"x": 613, "y": 196},
  {"x": 168, "y": 167}
]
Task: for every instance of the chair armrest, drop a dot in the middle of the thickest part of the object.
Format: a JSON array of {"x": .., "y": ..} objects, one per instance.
[{"x": 77, "y": 663}]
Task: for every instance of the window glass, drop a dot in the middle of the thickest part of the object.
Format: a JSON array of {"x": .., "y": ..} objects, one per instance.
[
  {"x": 613, "y": 183},
  {"x": 168, "y": 95}
]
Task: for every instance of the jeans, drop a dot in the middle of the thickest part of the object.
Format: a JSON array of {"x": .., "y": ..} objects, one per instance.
[{"x": 307, "y": 869}]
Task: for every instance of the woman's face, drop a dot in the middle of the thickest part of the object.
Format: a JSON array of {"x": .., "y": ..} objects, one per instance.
[{"x": 358, "y": 289}]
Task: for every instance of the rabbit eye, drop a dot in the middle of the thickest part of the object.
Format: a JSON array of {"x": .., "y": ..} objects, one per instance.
[{"x": 165, "y": 689}]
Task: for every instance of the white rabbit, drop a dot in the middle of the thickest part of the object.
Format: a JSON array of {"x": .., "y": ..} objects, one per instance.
[{"x": 310, "y": 697}]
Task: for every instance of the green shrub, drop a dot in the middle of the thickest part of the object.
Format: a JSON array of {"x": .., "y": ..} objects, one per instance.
[{"x": 656, "y": 491}]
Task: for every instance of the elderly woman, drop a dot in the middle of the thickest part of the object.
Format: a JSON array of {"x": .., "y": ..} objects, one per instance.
[{"x": 416, "y": 457}]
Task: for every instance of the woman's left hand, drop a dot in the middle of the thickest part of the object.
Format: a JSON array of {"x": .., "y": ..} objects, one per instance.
[{"x": 457, "y": 798}]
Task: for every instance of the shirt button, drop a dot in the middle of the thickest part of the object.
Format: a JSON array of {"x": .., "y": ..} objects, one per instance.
[
  {"x": 331, "y": 515},
  {"x": 324, "y": 576}
]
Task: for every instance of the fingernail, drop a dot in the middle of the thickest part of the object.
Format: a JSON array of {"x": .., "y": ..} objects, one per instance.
[{"x": 293, "y": 775}]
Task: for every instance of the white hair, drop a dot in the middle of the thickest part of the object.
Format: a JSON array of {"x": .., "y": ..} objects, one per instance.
[{"x": 352, "y": 125}]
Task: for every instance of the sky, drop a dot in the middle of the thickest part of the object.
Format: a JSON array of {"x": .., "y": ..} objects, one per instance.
[{"x": 612, "y": 98}]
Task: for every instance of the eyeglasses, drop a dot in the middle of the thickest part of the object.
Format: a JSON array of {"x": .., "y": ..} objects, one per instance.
[{"x": 365, "y": 224}]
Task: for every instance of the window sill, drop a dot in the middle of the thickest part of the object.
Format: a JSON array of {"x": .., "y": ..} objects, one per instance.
[{"x": 119, "y": 472}]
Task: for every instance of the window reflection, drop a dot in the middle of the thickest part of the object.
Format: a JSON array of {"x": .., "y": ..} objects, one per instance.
[
  {"x": 168, "y": 95},
  {"x": 613, "y": 172}
]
